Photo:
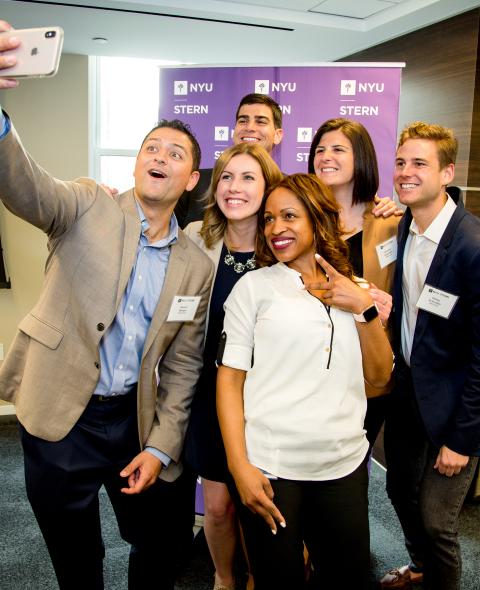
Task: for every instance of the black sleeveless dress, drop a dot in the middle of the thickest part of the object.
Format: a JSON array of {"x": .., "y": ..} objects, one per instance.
[{"x": 204, "y": 449}]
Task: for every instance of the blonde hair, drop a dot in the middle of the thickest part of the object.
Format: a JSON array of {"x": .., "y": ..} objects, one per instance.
[
  {"x": 323, "y": 212},
  {"x": 214, "y": 222},
  {"x": 447, "y": 144}
]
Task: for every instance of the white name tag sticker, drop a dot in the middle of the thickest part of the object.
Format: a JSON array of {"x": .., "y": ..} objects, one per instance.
[
  {"x": 387, "y": 252},
  {"x": 183, "y": 308},
  {"x": 437, "y": 301}
]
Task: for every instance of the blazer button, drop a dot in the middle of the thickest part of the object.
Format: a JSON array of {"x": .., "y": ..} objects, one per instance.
[
  {"x": 97, "y": 365},
  {"x": 100, "y": 327}
]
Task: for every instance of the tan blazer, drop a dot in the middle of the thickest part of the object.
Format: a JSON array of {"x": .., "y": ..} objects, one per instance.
[
  {"x": 375, "y": 231},
  {"x": 52, "y": 367},
  {"x": 192, "y": 230}
]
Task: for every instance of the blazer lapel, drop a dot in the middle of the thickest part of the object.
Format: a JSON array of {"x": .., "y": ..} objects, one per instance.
[
  {"x": 130, "y": 244},
  {"x": 214, "y": 254},
  {"x": 437, "y": 268},
  {"x": 177, "y": 267},
  {"x": 368, "y": 242},
  {"x": 403, "y": 229}
]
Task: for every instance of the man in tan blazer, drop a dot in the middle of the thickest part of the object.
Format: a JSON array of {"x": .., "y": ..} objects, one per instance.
[{"x": 103, "y": 369}]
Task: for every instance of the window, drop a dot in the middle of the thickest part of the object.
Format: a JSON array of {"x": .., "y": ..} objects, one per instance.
[{"x": 124, "y": 107}]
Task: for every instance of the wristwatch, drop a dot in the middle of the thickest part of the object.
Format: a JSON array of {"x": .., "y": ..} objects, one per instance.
[{"x": 367, "y": 315}]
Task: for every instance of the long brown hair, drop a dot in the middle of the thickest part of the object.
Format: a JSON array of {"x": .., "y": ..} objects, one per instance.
[
  {"x": 365, "y": 166},
  {"x": 323, "y": 212},
  {"x": 214, "y": 222}
]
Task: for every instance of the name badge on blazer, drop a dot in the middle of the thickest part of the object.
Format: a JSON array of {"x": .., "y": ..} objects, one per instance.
[
  {"x": 436, "y": 301},
  {"x": 183, "y": 308},
  {"x": 387, "y": 251}
]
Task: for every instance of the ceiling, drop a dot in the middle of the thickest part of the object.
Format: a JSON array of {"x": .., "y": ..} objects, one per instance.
[{"x": 231, "y": 31}]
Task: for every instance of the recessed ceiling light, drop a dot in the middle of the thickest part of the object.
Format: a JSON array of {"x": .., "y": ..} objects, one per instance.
[{"x": 100, "y": 40}]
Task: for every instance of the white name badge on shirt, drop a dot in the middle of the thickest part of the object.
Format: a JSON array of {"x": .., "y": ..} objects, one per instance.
[
  {"x": 183, "y": 308},
  {"x": 437, "y": 301},
  {"x": 387, "y": 251}
]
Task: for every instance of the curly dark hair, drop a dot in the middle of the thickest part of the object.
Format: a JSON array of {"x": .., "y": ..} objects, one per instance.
[{"x": 323, "y": 212}]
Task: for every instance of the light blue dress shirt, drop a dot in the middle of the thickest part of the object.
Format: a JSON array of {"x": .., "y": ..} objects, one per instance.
[
  {"x": 4, "y": 124},
  {"x": 121, "y": 347}
]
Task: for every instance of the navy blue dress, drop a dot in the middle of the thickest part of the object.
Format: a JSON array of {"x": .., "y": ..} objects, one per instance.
[{"x": 204, "y": 449}]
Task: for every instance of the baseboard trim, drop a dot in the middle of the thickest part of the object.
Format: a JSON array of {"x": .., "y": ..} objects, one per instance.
[{"x": 7, "y": 414}]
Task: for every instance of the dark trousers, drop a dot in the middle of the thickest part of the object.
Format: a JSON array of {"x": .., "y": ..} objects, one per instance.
[
  {"x": 375, "y": 417},
  {"x": 427, "y": 503},
  {"x": 330, "y": 516},
  {"x": 62, "y": 481}
]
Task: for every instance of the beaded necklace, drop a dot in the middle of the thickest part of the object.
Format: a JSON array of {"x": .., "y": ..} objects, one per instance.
[{"x": 239, "y": 266}]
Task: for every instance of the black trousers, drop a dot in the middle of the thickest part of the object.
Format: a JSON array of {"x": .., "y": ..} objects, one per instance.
[
  {"x": 375, "y": 417},
  {"x": 62, "y": 481},
  {"x": 330, "y": 516}
]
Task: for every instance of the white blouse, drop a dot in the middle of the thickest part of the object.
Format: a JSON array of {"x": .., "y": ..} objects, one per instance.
[{"x": 304, "y": 395}]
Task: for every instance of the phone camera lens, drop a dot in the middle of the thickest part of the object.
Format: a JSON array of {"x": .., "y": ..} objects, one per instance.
[{"x": 50, "y": 34}]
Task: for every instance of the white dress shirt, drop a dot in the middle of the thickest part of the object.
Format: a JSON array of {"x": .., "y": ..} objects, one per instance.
[{"x": 417, "y": 258}]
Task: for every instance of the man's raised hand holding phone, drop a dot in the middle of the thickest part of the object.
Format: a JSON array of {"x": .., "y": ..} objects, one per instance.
[
  {"x": 7, "y": 61},
  {"x": 33, "y": 53}
]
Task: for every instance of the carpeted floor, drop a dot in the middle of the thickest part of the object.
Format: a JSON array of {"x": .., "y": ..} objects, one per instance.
[{"x": 24, "y": 562}]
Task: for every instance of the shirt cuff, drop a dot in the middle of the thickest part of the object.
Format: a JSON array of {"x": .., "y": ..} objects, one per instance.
[
  {"x": 237, "y": 356},
  {"x": 165, "y": 459},
  {"x": 4, "y": 124}
]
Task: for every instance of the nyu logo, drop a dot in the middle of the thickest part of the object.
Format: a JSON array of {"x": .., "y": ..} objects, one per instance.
[
  {"x": 262, "y": 86},
  {"x": 284, "y": 86},
  {"x": 304, "y": 134},
  {"x": 371, "y": 87},
  {"x": 182, "y": 87},
  {"x": 201, "y": 87},
  {"x": 351, "y": 87},
  {"x": 348, "y": 87},
  {"x": 221, "y": 133}
]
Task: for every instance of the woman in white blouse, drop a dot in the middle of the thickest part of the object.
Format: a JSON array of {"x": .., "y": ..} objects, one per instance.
[{"x": 300, "y": 337}]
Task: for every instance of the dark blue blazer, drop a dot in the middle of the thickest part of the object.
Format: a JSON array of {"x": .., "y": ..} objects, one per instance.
[{"x": 445, "y": 359}]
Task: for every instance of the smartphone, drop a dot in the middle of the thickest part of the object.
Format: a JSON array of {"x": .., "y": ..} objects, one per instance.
[{"x": 38, "y": 54}]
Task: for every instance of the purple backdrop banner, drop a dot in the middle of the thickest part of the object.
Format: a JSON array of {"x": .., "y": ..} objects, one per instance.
[{"x": 207, "y": 99}]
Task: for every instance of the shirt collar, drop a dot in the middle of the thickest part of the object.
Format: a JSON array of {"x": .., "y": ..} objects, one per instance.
[
  {"x": 172, "y": 232},
  {"x": 436, "y": 229},
  {"x": 294, "y": 275}
]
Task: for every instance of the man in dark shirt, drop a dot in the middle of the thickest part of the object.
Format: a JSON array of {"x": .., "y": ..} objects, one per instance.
[{"x": 258, "y": 119}]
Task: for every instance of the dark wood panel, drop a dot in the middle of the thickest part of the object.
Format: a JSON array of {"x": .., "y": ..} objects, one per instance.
[
  {"x": 440, "y": 84},
  {"x": 473, "y": 198}
]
